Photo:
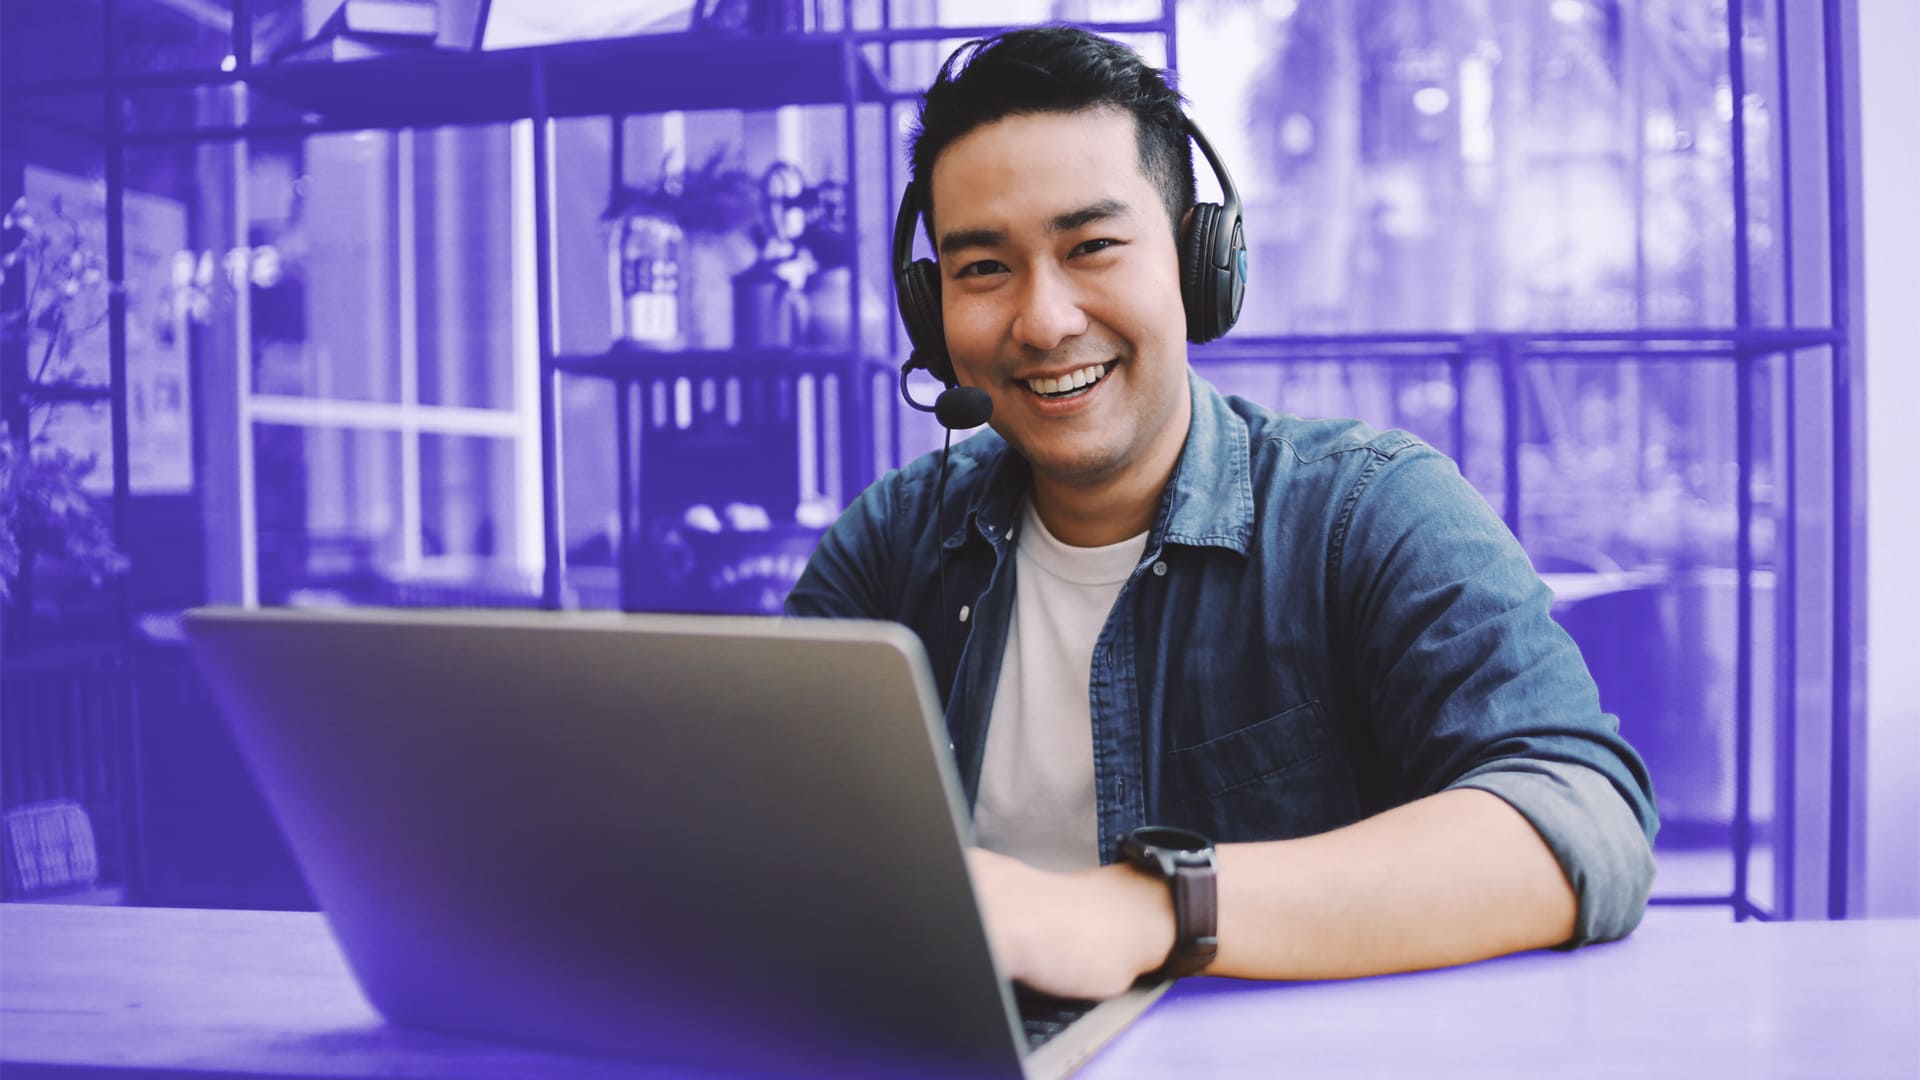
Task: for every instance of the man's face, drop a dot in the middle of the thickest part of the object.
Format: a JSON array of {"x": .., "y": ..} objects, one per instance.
[{"x": 1058, "y": 266}]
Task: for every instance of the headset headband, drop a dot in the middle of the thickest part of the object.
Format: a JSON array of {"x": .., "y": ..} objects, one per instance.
[{"x": 1222, "y": 252}]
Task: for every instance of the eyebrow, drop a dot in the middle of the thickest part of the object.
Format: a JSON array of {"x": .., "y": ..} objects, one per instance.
[{"x": 961, "y": 239}]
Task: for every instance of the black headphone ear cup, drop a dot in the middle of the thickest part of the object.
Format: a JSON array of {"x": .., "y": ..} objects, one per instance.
[
  {"x": 919, "y": 288},
  {"x": 1197, "y": 274}
]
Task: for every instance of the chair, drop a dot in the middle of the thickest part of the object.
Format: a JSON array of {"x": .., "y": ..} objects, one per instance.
[{"x": 50, "y": 856}]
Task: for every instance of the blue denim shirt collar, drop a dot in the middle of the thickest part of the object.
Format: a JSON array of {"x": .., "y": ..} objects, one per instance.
[
  {"x": 1207, "y": 503},
  {"x": 996, "y": 503}
]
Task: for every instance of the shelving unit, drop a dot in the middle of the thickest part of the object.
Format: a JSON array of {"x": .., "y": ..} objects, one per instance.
[{"x": 427, "y": 89}]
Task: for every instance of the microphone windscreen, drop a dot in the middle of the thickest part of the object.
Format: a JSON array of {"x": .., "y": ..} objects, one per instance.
[{"x": 962, "y": 407}]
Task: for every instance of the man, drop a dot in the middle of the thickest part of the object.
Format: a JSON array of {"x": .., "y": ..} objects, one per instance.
[{"x": 1311, "y": 642}]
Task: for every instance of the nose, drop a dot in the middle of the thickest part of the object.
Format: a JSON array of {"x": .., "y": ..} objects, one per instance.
[{"x": 1049, "y": 311}]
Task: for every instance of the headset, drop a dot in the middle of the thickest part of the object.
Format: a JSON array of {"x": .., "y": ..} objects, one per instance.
[{"x": 1213, "y": 282}]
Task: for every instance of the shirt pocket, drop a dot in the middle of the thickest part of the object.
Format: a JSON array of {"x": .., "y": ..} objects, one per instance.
[{"x": 1273, "y": 780}]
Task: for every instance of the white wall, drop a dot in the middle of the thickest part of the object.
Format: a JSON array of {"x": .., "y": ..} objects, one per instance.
[{"x": 1889, "y": 141}]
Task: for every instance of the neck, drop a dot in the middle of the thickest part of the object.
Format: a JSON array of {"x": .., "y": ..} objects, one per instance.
[{"x": 1095, "y": 512}]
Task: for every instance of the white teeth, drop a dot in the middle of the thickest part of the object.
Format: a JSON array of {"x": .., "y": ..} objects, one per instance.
[{"x": 1086, "y": 376}]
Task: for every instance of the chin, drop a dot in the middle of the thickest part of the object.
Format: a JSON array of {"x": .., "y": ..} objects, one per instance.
[{"x": 1084, "y": 464}]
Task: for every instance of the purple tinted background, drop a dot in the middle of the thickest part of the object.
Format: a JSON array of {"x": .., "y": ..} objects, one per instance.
[{"x": 1584, "y": 247}]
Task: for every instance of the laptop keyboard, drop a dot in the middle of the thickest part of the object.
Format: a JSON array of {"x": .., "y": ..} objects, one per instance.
[{"x": 1045, "y": 1015}]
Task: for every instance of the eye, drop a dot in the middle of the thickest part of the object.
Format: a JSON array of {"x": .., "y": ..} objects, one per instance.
[
  {"x": 1091, "y": 247},
  {"x": 980, "y": 269}
]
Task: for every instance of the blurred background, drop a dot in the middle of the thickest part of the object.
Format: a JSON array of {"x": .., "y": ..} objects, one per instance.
[{"x": 397, "y": 302}]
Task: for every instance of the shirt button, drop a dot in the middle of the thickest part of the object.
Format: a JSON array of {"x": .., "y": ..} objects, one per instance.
[
  {"x": 1160, "y": 569},
  {"x": 964, "y": 612}
]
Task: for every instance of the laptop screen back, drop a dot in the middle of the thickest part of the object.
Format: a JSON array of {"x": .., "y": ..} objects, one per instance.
[{"x": 710, "y": 839}]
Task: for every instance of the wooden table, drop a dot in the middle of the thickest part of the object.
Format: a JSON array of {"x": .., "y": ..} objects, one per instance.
[{"x": 118, "y": 991}]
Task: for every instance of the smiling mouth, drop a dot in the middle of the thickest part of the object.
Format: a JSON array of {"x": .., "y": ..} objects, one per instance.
[{"x": 1071, "y": 384}]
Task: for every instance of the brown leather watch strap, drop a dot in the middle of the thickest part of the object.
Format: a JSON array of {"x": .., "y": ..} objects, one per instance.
[
  {"x": 1196, "y": 914},
  {"x": 1184, "y": 860}
]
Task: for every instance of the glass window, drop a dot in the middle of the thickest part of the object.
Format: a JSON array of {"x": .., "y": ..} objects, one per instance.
[
  {"x": 328, "y": 512},
  {"x": 461, "y": 267},
  {"x": 1515, "y": 165}
]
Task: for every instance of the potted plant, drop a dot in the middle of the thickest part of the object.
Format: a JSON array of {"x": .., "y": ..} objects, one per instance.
[
  {"x": 53, "y": 294},
  {"x": 674, "y": 247}
]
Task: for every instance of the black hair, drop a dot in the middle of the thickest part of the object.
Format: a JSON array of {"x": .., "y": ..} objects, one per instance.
[{"x": 1054, "y": 69}]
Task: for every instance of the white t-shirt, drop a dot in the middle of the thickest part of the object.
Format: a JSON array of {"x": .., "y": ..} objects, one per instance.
[{"x": 1036, "y": 800}]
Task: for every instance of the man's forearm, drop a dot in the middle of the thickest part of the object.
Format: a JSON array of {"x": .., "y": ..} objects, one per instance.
[{"x": 1451, "y": 878}]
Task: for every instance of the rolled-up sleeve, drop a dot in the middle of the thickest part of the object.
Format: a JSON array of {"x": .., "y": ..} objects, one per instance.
[
  {"x": 1471, "y": 683},
  {"x": 1589, "y": 829}
]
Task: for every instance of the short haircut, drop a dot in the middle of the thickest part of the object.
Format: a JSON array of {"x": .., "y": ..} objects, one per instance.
[{"x": 1054, "y": 69}]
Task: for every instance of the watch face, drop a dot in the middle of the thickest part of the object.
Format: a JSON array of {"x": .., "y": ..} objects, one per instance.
[{"x": 1168, "y": 838}]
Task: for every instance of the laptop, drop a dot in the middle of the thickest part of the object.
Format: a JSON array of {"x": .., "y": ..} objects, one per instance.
[{"x": 718, "y": 841}]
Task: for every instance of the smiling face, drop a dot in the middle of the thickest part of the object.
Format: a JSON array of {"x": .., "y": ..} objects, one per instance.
[{"x": 1060, "y": 287}]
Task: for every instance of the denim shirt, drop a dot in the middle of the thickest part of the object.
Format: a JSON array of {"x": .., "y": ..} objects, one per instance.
[{"x": 1327, "y": 622}]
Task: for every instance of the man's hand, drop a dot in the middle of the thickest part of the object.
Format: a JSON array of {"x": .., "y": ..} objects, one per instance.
[{"x": 1080, "y": 935}]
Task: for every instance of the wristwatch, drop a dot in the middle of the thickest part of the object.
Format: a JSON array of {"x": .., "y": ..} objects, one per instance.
[{"x": 1184, "y": 860}]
